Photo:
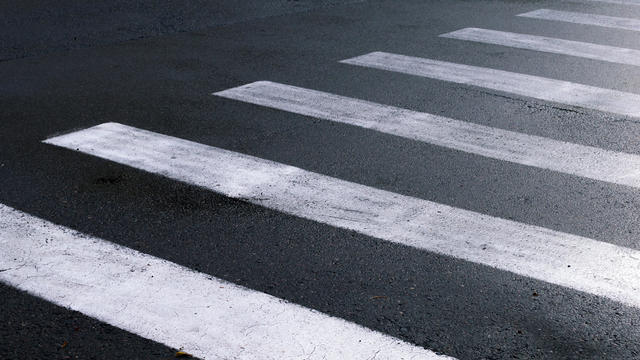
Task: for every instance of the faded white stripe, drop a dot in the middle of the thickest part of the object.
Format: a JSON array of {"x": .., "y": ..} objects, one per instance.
[
  {"x": 173, "y": 305},
  {"x": 551, "y": 45},
  {"x": 584, "y": 264},
  {"x": 619, "y": 2},
  {"x": 589, "y": 162},
  {"x": 558, "y": 91},
  {"x": 585, "y": 19}
]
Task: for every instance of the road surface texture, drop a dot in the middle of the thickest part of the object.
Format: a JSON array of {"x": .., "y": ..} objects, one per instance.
[{"x": 320, "y": 179}]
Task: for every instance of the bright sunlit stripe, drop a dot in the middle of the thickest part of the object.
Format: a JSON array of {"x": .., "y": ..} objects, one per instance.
[
  {"x": 546, "y": 44},
  {"x": 173, "y": 305},
  {"x": 574, "y": 159},
  {"x": 558, "y": 91},
  {"x": 585, "y": 19},
  {"x": 577, "y": 262}
]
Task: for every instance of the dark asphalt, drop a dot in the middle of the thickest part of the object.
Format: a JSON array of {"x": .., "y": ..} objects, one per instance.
[
  {"x": 35, "y": 329},
  {"x": 162, "y": 81},
  {"x": 36, "y": 27}
]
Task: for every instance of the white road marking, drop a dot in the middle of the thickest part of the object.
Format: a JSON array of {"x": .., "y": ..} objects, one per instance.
[
  {"x": 173, "y": 305},
  {"x": 619, "y": 2},
  {"x": 568, "y": 260},
  {"x": 585, "y": 161},
  {"x": 585, "y": 19},
  {"x": 558, "y": 91},
  {"x": 546, "y": 44}
]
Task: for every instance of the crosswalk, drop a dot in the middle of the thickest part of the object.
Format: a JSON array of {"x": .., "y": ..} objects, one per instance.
[
  {"x": 546, "y": 44},
  {"x": 585, "y": 19},
  {"x": 620, "y": 2},
  {"x": 129, "y": 289},
  {"x": 574, "y": 159},
  {"x": 579, "y": 95},
  {"x": 219, "y": 319},
  {"x": 547, "y": 255}
]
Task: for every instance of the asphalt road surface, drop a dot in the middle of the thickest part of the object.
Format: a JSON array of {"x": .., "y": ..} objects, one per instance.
[{"x": 320, "y": 179}]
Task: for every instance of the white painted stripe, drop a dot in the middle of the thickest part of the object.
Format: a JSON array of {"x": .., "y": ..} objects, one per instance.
[
  {"x": 552, "y": 45},
  {"x": 584, "y": 264},
  {"x": 585, "y": 19},
  {"x": 619, "y": 2},
  {"x": 558, "y": 91},
  {"x": 173, "y": 305},
  {"x": 585, "y": 161}
]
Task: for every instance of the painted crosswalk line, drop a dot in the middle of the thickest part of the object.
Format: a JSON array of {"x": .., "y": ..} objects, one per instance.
[
  {"x": 558, "y": 91},
  {"x": 173, "y": 305},
  {"x": 585, "y": 19},
  {"x": 574, "y": 159},
  {"x": 547, "y": 44},
  {"x": 618, "y": 2},
  {"x": 564, "y": 259}
]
